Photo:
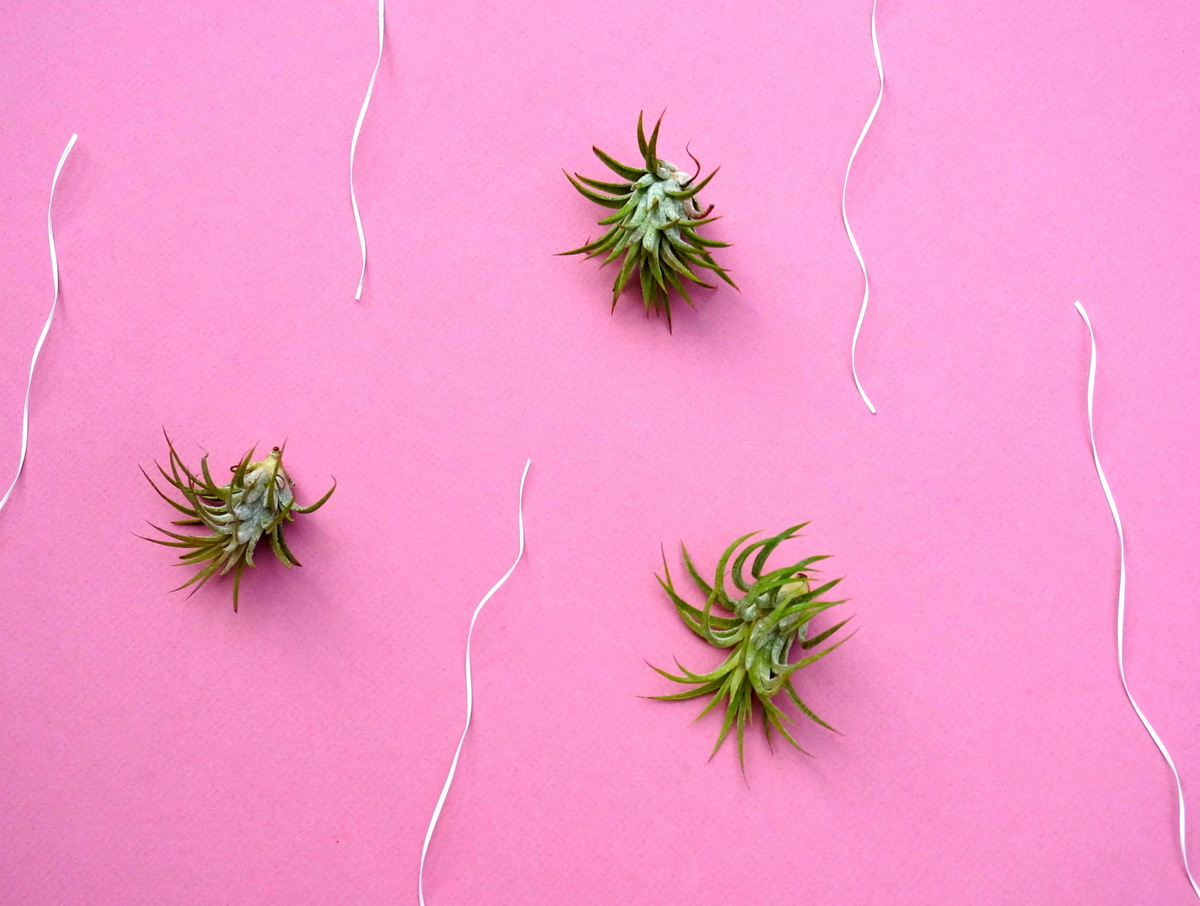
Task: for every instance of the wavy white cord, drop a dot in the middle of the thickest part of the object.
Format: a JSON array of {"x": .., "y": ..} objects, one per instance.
[
  {"x": 437, "y": 811},
  {"x": 1112, "y": 505},
  {"x": 362, "y": 238},
  {"x": 37, "y": 350},
  {"x": 846, "y": 220}
]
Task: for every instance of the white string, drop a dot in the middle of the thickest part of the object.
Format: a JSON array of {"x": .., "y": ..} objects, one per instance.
[
  {"x": 362, "y": 239},
  {"x": 37, "y": 350},
  {"x": 1112, "y": 505},
  {"x": 466, "y": 726},
  {"x": 846, "y": 220}
]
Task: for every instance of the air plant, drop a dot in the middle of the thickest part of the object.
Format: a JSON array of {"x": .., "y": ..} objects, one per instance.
[
  {"x": 257, "y": 502},
  {"x": 761, "y": 627},
  {"x": 654, "y": 226}
]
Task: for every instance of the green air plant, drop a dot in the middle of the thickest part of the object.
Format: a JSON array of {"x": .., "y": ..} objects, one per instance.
[
  {"x": 257, "y": 502},
  {"x": 654, "y": 225},
  {"x": 760, "y": 627}
]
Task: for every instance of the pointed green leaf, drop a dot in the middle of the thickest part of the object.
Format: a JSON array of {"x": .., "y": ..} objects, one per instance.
[
  {"x": 818, "y": 639},
  {"x": 605, "y": 200},
  {"x": 693, "y": 188},
  {"x": 624, "y": 171},
  {"x": 613, "y": 188},
  {"x": 652, "y": 147}
]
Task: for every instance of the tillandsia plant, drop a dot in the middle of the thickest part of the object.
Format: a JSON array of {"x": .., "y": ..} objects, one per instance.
[
  {"x": 654, "y": 226},
  {"x": 257, "y": 502},
  {"x": 761, "y": 627}
]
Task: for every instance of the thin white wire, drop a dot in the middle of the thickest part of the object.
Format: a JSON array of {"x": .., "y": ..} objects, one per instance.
[
  {"x": 362, "y": 238},
  {"x": 1112, "y": 505},
  {"x": 37, "y": 350},
  {"x": 437, "y": 810},
  {"x": 846, "y": 219}
]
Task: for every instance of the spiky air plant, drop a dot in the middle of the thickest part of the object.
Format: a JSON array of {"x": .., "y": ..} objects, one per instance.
[
  {"x": 257, "y": 502},
  {"x": 761, "y": 627},
  {"x": 654, "y": 226}
]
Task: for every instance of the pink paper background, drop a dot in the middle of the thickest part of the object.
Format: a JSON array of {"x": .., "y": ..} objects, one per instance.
[{"x": 163, "y": 750}]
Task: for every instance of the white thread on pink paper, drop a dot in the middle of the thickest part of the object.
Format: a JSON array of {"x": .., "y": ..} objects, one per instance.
[
  {"x": 437, "y": 810},
  {"x": 1112, "y": 505},
  {"x": 362, "y": 238},
  {"x": 862, "y": 313},
  {"x": 37, "y": 350}
]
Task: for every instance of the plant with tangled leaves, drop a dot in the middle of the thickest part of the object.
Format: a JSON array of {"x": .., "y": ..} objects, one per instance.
[
  {"x": 256, "y": 503},
  {"x": 772, "y": 614},
  {"x": 654, "y": 226}
]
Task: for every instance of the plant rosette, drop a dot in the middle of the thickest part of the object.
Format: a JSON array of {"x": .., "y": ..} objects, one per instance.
[
  {"x": 760, "y": 629},
  {"x": 655, "y": 225},
  {"x": 257, "y": 503}
]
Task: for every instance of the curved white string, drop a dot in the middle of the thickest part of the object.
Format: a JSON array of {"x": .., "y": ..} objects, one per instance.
[
  {"x": 362, "y": 238},
  {"x": 437, "y": 811},
  {"x": 37, "y": 350},
  {"x": 862, "y": 313},
  {"x": 1112, "y": 505}
]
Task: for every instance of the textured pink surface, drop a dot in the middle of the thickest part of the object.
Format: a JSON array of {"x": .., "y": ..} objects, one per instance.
[{"x": 164, "y": 750}]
